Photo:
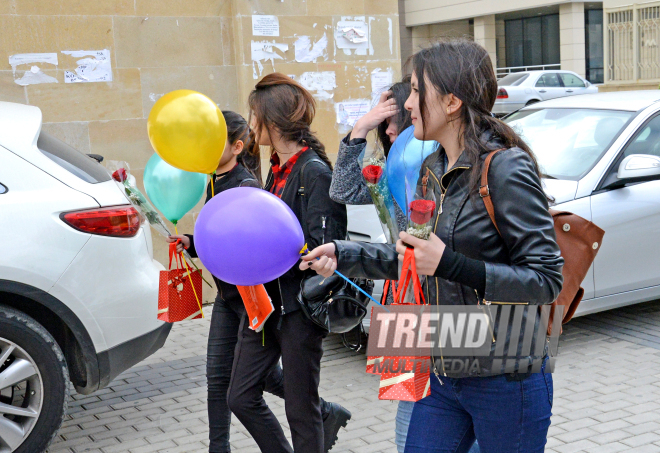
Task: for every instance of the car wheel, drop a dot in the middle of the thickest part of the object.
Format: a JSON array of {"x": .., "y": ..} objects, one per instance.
[
  {"x": 33, "y": 384},
  {"x": 532, "y": 101}
]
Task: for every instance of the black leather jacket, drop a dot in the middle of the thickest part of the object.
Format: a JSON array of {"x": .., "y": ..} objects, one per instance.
[{"x": 523, "y": 265}]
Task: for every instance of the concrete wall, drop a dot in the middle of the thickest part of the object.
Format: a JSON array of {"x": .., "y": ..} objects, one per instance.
[
  {"x": 157, "y": 46},
  {"x": 424, "y": 35}
]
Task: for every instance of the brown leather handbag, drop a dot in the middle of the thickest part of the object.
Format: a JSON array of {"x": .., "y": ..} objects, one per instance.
[{"x": 578, "y": 239}]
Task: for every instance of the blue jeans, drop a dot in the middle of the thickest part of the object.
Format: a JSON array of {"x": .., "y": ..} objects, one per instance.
[{"x": 506, "y": 416}]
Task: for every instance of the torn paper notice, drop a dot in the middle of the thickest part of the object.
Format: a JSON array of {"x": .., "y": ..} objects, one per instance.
[
  {"x": 348, "y": 112},
  {"x": 264, "y": 50},
  {"x": 380, "y": 81},
  {"x": 93, "y": 66},
  {"x": 306, "y": 55},
  {"x": 320, "y": 84},
  {"x": 265, "y": 25},
  {"x": 352, "y": 34},
  {"x": 35, "y": 76}
]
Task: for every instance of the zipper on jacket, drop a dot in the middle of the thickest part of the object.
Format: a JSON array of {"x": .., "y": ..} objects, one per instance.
[
  {"x": 279, "y": 323},
  {"x": 323, "y": 226},
  {"x": 489, "y": 315}
]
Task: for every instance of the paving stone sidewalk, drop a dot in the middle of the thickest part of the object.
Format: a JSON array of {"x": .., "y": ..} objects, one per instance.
[{"x": 606, "y": 395}]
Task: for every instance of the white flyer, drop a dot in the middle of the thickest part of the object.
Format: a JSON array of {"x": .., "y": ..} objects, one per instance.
[
  {"x": 352, "y": 34},
  {"x": 348, "y": 112},
  {"x": 265, "y": 25},
  {"x": 94, "y": 66}
]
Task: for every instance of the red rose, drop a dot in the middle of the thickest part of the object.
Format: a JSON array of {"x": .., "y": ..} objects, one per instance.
[
  {"x": 120, "y": 175},
  {"x": 372, "y": 173},
  {"x": 421, "y": 211}
]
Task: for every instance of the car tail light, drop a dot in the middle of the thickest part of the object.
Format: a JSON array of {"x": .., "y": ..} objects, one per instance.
[
  {"x": 502, "y": 94},
  {"x": 116, "y": 221}
]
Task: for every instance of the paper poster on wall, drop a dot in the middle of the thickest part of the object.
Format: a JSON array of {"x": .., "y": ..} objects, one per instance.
[
  {"x": 264, "y": 50},
  {"x": 348, "y": 112},
  {"x": 380, "y": 81},
  {"x": 320, "y": 84},
  {"x": 305, "y": 54},
  {"x": 352, "y": 34},
  {"x": 34, "y": 75},
  {"x": 93, "y": 66},
  {"x": 265, "y": 25}
]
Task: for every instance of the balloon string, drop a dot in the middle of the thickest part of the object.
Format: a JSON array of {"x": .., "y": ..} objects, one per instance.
[
  {"x": 212, "y": 184},
  {"x": 190, "y": 276}
]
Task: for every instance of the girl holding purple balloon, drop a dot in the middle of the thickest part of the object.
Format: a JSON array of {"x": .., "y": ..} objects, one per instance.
[
  {"x": 281, "y": 116},
  {"x": 240, "y": 166}
]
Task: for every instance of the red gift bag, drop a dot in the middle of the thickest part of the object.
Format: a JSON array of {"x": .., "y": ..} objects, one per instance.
[
  {"x": 410, "y": 385},
  {"x": 179, "y": 292}
]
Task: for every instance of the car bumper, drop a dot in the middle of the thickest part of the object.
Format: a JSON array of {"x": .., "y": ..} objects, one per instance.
[{"x": 503, "y": 108}]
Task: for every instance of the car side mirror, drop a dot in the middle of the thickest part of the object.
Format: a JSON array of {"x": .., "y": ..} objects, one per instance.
[{"x": 639, "y": 167}]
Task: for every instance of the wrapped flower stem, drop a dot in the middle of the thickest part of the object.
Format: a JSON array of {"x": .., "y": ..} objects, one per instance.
[{"x": 376, "y": 179}]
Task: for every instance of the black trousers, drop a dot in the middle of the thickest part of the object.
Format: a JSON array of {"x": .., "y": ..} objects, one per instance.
[
  {"x": 299, "y": 343},
  {"x": 223, "y": 335}
]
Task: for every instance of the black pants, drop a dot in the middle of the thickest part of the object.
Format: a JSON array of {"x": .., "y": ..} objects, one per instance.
[
  {"x": 299, "y": 343},
  {"x": 225, "y": 324}
]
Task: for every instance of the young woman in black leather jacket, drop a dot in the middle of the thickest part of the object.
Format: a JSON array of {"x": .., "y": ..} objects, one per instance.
[{"x": 470, "y": 262}]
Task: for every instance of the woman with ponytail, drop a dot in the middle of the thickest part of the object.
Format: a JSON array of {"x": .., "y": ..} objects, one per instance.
[
  {"x": 240, "y": 166},
  {"x": 281, "y": 116}
]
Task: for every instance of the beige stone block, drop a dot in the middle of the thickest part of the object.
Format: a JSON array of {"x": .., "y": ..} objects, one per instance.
[
  {"x": 29, "y": 34},
  {"x": 421, "y": 31},
  {"x": 334, "y": 7},
  {"x": 7, "y": 7},
  {"x": 167, "y": 41},
  {"x": 571, "y": 36},
  {"x": 217, "y": 82},
  {"x": 372, "y": 7},
  {"x": 228, "y": 50},
  {"x": 76, "y": 134},
  {"x": 75, "y": 7},
  {"x": 123, "y": 140},
  {"x": 274, "y": 7},
  {"x": 9, "y": 90},
  {"x": 60, "y": 102},
  {"x": 183, "y": 7},
  {"x": 384, "y": 38},
  {"x": 325, "y": 127}
]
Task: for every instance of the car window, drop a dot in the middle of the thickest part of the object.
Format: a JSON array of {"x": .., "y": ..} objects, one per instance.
[
  {"x": 571, "y": 81},
  {"x": 568, "y": 142},
  {"x": 647, "y": 140},
  {"x": 512, "y": 80},
  {"x": 549, "y": 80},
  {"x": 75, "y": 162},
  {"x": 3, "y": 188}
]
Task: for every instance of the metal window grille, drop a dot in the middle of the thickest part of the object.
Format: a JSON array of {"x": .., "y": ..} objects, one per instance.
[
  {"x": 620, "y": 64},
  {"x": 648, "y": 23}
]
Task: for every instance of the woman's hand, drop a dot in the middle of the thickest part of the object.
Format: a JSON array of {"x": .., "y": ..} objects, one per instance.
[
  {"x": 427, "y": 253},
  {"x": 383, "y": 110},
  {"x": 181, "y": 246},
  {"x": 326, "y": 263}
]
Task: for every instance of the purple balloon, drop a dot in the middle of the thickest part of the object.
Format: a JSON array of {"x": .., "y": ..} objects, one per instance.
[{"x": 247, "y": 236}]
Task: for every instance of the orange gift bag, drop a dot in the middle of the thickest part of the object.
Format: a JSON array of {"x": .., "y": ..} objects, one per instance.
[
  {"x": 179, "y": 291},
  {"x": 258, "y": 305}
]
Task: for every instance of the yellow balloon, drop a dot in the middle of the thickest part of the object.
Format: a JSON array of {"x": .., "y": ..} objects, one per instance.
[{"x": 188, "y": 131}]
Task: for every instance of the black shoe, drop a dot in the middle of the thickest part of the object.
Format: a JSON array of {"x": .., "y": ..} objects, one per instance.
[{"x": 336, "y": 417}]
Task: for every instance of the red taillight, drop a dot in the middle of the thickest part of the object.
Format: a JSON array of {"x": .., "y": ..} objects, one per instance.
[
  {"x": 117, "y": 221},
  {"x": 502, "y": 94}
]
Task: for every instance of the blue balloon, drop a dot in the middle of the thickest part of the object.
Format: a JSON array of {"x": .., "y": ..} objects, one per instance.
[
  {"x": 404, "y": 163},
  {"x": 174, "y": 192}
]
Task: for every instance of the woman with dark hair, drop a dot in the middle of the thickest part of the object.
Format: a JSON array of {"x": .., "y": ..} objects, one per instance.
[
  {"x": 281, "y": 116},
  {"x": 240, "y": 166},
  {"x": 389, "y": 118},
  {"x": 470, "y": 260}
]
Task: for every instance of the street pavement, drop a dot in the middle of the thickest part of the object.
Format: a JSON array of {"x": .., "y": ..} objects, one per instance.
[{"x": 606, "y": 395}]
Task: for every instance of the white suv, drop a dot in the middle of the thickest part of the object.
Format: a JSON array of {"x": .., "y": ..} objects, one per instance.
[{"x": 78, "y": 283}]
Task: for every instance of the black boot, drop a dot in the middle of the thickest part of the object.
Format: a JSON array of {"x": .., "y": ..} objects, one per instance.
[{"x": 334, "y": 417}]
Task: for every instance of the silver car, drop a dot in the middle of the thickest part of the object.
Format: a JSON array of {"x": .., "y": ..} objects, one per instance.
[
  {"x": 521, "y": 89},
  {"x": 600, "y": 155}
]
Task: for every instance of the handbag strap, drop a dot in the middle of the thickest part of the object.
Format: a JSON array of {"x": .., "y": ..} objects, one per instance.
[
  {"x": 484, "y": 190},
  {"x": 301, "y": 192}
]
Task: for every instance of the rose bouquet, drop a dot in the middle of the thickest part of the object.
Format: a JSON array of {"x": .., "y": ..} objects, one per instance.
[
  {"x": 376, "y": 178},
  {"x": 421, "y": 213}
]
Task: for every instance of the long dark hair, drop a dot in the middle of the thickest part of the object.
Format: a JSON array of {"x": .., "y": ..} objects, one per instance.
[
  {"x": 400, "y": 93},
  {"x": 238, "y": 129},
  {"x": 463, "y": 68},
  {"x": 280, "y": 103}
]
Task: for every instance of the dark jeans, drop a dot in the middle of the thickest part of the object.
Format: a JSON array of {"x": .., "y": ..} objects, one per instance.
[
  {"x": 299, "y": 343},
  {"x": 506, "y": 416},
  {"x": 225, "y": 323}
]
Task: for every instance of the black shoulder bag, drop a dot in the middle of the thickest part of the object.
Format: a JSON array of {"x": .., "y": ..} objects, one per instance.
[{"x": 331, "y": 303}]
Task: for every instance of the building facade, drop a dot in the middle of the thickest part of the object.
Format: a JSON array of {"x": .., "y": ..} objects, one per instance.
[{"x": 518, "y": 34}]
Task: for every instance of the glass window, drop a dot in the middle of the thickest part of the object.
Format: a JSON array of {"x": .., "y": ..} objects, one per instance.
[
  {"x": 512, "y": 80},
  {"x": 571, "y": 81},
  {"x": 75, "y": 162},
  {"x": 647, "y": 140},
  {"x": 533, "y": 41},
  {"x": 550, "y": 32},
  {"x": 514, "y": 43},
  {"x": 549, "y": 80},
  {"x": 568, "y": 142},
  {"x": 594, "y": 45}
]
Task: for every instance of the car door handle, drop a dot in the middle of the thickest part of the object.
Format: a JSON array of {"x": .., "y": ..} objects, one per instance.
[
  {"x": 542, "y": 91},
  {"x": 569, "y": 91}
]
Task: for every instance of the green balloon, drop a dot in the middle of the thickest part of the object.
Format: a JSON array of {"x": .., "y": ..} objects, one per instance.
[{"x": 174, "y": 192}]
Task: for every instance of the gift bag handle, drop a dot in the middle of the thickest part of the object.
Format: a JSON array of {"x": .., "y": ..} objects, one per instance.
[{"x": 177, "y": 260}]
